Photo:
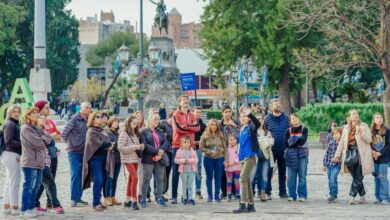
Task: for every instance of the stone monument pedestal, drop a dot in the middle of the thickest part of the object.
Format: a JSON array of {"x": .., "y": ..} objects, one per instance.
[{"x": 40, "y": 83}]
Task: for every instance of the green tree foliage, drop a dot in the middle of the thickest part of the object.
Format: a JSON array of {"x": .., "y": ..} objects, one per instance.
[{"x": 61, "y": 42}]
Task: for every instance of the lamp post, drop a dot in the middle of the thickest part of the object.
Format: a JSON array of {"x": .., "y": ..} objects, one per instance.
[
  {"x": 248, "y": 66},
  {"x": 234, "y": 78}
]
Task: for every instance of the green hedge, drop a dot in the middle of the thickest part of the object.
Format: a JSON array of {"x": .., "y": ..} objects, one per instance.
[
  {"x": 316, "y": 117},
  {"x": 213, "y": 113}
]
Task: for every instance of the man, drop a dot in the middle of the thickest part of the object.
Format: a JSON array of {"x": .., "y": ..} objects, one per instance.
[
  {"x": 198, "y": 177},
  {"x": 162, "y": 112},
  {"x": 228, "y": 127},
  {"x": 72, "y": 107},
  {"x": 184, "y": 124},
  {"x": 74, "y": 134},
  {"x": 277, "y": 123}
]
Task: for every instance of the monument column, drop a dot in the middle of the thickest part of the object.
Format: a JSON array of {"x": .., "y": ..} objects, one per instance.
[{"x": 39, "y": 81}]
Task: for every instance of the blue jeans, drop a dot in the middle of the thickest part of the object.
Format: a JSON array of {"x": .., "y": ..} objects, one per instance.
[
  {"x": 98, "y": 174},
  {"x": 261, "y": 176},
  {"x": 175, "y": 175},
  {"x": 301, "y": 173},
  {"x": 76, "y": 169},
  {"x": 112, "y": 182},
  {"x": 381, "y": 182},
  {"x": 32, "y": 182},
  {"x": 198, "y": 175},
  {"x": 333, "y": 172},
  {"x": 213, "y": 169}
]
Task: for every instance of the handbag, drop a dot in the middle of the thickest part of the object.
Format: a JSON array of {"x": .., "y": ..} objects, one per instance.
[{"x": 351, "y": 157}]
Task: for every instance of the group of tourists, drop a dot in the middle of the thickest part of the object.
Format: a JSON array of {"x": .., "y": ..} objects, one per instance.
[{"x": 238, "y": 157}]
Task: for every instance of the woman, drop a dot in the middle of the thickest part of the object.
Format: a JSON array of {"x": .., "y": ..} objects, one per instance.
[
  {"x": 381, "y": 153},
  {"x": 156, "y": 146},
  {"x": 11, "y": 159},
  {"x": 296, "y": 157},
  {"x": 32, "y": 161},
  {"x": 355, "y": 140},
  {"x": 141, "y": 125},
  {"x": 265, "y": 143},
  {"x": 213, "y": 145},
  {"x": 128, "y": 144},
  {"x": 97, "y": 144},
  {"x": 111, "y": 183}
]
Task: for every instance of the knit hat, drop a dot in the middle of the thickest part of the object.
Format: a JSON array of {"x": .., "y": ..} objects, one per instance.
[{"x": 40, "y": 104}]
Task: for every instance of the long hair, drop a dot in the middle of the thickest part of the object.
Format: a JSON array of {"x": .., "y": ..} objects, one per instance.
[
  {"x": 349, "y": 117},
  {"x": 111, "y": 121},
  {"x": 127, "y": 127},
  {"x": 91, "y": 118},
  {"x": 373, "y": 125},
  {"x": 142, "y": 123},
  {"x": 209, "y": 134},
  {"x": 27, "y": 115}
]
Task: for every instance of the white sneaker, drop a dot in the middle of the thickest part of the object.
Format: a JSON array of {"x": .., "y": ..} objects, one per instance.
[
  {"x": 352, "y": 200},
  {"x": 6, "y": 211},
  {"x": 302, "y": 200},
  {"x": 39, "y": 213},
  {"x": 290, "y": 199},
  {"x": 28, "y": 214},
  {"x": 15, "y": 212},
  {"x": 384, "y": 202}
]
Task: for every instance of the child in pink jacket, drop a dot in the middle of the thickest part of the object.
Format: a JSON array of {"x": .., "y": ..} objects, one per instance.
[
  {"x": 232, "y": 168},
  {"x": 188, "y": 164}
]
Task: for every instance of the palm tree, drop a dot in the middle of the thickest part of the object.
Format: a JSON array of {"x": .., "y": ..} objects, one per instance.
[{"x": 120, "y": 91}]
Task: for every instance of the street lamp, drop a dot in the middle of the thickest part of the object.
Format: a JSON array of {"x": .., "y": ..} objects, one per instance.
[
  {"x": 153, "y": 55},
  {"x": 234, "y": 78},
  {"x": 124, "y": 54},
  {"x": 248, "y": 67}
]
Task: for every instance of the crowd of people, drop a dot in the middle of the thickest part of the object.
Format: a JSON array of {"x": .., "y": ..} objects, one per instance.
[{"x": 238, "y": 157}]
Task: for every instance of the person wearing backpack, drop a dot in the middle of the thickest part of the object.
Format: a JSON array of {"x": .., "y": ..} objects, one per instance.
[
  {"x": 296, "y": 157},
  {"x": 10, "y": 158}
]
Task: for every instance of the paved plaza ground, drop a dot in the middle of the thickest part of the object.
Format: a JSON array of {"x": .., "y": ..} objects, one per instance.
[{"x": 315, "y": 208}]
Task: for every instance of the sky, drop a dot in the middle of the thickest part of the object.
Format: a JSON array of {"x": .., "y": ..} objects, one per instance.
[{"x": 191, "y": 10}]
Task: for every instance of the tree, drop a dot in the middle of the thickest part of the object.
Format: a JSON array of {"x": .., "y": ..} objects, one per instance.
[
  {"x": 120, "y": 91},
  {"x": 107, "y": 49},
  {"x": 91, "y": 91},
  {"x": 232, "y": 29},
  {"x": 62, "y": 45},
  {"x": 357, "y": 34}
]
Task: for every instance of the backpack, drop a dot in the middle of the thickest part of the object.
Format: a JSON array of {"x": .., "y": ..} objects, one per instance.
[{"x": 2, "y": 142}]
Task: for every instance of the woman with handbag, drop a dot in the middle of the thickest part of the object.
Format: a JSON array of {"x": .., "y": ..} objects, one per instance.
[
  {"x": 129, "y": 147},
  {"x": 296, "y": 156},
  {"x": 265, "y": 160},
  {"x": 356, "y": 150},
  {"x": 154, "y": 159}
]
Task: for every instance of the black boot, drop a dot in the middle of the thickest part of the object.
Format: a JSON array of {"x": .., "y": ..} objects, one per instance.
[
  {"x": 134, "y": 206},
  {"x": 241, "y": 209},
  {"x": 127, "y": 204},
  {"x": 251, "y": 208}
]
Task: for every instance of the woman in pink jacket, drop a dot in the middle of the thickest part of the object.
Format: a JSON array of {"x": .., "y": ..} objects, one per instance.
[{"x": 188, "y": 165}]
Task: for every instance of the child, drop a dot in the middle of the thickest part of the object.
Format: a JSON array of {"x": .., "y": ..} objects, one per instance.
[
  {"x": 232, "y": 168},
  {"x": 333, "y": 169},
  {"x": 188, "y": 164}
]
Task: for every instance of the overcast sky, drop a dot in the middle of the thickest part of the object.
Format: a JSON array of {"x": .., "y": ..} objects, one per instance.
[{"x": 190, "y": 10}]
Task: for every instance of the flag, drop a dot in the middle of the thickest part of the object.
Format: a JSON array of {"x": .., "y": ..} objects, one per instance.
[
  {"x": 241, "y": 76},
  {"x": 116, "y": 65},
  {"x": 159, "y": 67},
  {"x": 264, "y": 75}
]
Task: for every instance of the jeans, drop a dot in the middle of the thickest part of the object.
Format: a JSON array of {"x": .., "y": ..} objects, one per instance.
[
  {"x": 76, "y": 169},
  {"x": 187, "y": 182},
  {"x": 247, "y": 166},
  {"x": 381, "y": 182},
  {"x": 333, "y": 172},
  {"x": 32, "y": 182},
  {"x": 175, "y": 175},
  {"x": 111, "y": 183},
  {"x": 214, "y": 168},
  {"x": 148, "y": 172},
  {"x": 49, "y": 185},
  {"x": 12, "y": 178},
  {"x": 53, "y": 171},
  {"x": 279, "y": 158},
  {"x": 357, "y": 180},
  {"x": 198, "y": 175},
  {"x": 97, "y": 167},
  {"x": 261, "y": 176},
  {"x": 301, "y": 173}
]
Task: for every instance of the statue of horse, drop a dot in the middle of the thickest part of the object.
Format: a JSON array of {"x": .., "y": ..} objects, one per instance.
[{"x": 161, "y": 18}]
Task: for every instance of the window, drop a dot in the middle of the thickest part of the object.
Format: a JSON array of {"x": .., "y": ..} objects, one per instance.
[{"x": 99, "y": 73}]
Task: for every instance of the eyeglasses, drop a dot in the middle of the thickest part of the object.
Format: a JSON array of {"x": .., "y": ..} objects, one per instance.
[{"x": 98, "y": 117}]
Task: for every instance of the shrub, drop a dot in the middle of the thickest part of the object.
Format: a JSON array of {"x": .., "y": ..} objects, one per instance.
[
  {"x": 316, "y": 117},
  {"x": 213, "y": 113}
]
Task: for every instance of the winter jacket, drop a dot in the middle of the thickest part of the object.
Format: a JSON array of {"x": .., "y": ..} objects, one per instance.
[
  {"x": 385, "y": 152},
  {"x": 180, "y": 160},
  {"x": 127, "y": 147},
  {"x": 12, "y": 136},
  {"x": 74, "y": 134},
  {"x": 168, "y": 132},
  {"x": 295, "y": 138},
  {"x": 247, "y": 139},
  {"x": 233, "y": 158},
  {"x": 266, "y": 141},
  {"x": 278, "y": 127},
  {"x": 209, "y": 144},
  {"x": 199, "y": 134},
  {"x": 151, "y": 149},
  {"x": 184, "y": 124},
  {"x": 113, "y": 136}
]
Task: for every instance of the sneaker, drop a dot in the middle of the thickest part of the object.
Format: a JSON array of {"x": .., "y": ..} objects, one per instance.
[
  {"x": 191, "y": 202},
  {"x": 259, "y": 195},
  {"x": 217, "y": 199},
  {"x": 385, "y": 202},
  {"x": 332, "y": 199},
  {"x": 149, "y": 200},
  {"x": 134, "y": 206},
  {"x": 98, "y": 208},
  {"x": 82, "y": 202},
  {"x": 283, "y": 195},
  {"x": 49, "y": 206},
  {"x": 209, "y": 198},
  {"x": 143, "y": 203},
  {"x": 184, "y": 201},
  {"x": 302, "y": 200},
  {"x": 28, "y": 214},
  {"x": 362, "y": 200},
  {"x": 127, "y": 204},
  {"x": 15, "y": 212},
  {"x": 161, "y": 203},
  {"x": 229, "y": 198},
  {"x": 165, "y": 198},
  {"x": 59, "y": 210},
  {"x": 238, "y": 197},
  {"x": 39, "y": 211},
  {"x": 269, "y": 197},
  {"x": 290, "y": 199},
  {"x": 73, "y": 203},
  {"x": 174, "y": 201},
  {"x": 199, "y": 195},
  {"x": 352, "y": 200},
  {"x": 377, "y": 202},
  {"x": 6, "y": 211}
]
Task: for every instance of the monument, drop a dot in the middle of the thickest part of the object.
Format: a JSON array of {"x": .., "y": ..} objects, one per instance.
[{"x": 39, "y": 80}]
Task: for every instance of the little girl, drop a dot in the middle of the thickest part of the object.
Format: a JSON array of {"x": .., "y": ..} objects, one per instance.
[
  {"x": 232, "y": 168},
  {"x": 188, "y": 161}
]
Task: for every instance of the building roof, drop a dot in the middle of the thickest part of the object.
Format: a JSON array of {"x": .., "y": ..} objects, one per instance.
[{"x": 174, "y": 12}]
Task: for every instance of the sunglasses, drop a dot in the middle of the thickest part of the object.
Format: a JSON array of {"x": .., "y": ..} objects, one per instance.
[{"x": 98, "y": 117}]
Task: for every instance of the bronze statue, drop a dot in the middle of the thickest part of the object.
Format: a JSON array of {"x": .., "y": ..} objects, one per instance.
[{"x": 161, "y": 18}]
